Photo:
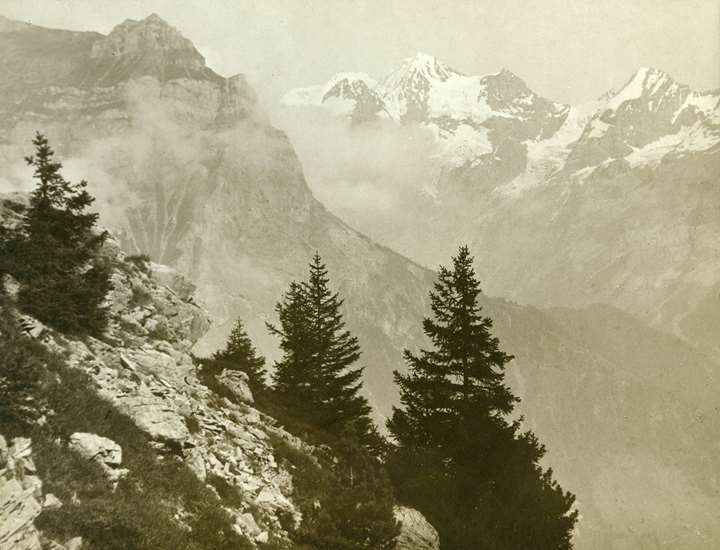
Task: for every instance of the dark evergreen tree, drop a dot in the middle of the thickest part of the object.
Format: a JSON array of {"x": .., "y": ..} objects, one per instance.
[
  {"x": 316, "y": 376},
  {"x": 240, "y": 354},
  {"x": 458, "y": 458},
  {"x": 295, "y": 378},
  {"x": 54, "y": 253}
]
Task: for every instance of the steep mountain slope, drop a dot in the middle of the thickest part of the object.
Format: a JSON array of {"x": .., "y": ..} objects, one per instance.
[
  {"x": 613, "y": 201},
  {"x": 628, "y": 418},
  {"x": 126, "y": 428},
  {"x": 187, "y": 167}
]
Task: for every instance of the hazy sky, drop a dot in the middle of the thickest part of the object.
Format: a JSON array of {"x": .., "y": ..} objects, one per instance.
[{"x": 568, "y": 50}]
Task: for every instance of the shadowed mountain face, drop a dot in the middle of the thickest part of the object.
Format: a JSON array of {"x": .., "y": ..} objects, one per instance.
[{"x": 187, "y": 168}]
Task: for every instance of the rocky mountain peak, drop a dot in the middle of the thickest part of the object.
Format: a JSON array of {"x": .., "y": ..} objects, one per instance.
[
  {"x": 429, "y": 65},
  {"x": 406, "y": 90},
  {"x": 505, "y": 87},
  {"x": 646, "y": 83},
  {"x": 152, "y": 33},
  {"x": 151, "y": 47},
  {"x": 348, "y": 85},
  {"x": 415, "y": 69}
]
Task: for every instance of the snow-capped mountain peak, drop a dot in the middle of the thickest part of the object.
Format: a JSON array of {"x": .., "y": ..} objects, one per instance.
[
  {"x": 344, "y": 94},
  {"x": 421, "y": 65},
  {"x": 645, "y": 83},
  {"x": 406, "y": 90},
  {"x": 347, "y": 85}
]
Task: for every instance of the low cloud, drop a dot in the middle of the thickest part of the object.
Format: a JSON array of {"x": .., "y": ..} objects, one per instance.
[{"x": 368, "y": 174}]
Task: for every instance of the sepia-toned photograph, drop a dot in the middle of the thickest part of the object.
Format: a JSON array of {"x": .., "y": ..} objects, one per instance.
[{"x": 359, "y": 275}]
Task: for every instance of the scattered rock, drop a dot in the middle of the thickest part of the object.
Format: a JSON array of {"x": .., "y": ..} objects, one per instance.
[
  {"x": 18, "y": 510},
  {"x": 416, "y": 533},
  {"x": 51, "y": 502},
  {"x": 153, "y": 379},
  {"x": 236, "y": 382},
  {"x": 151, "y": 361},
  {"x": 197, "y": 464},
  {"x": 19, "y": 495},
  {"x": 102, "y": 450},
  {"x": 247, "y": 524},
  {"x": 95, "y": 447},
  {"x": 153, "y": 415}
]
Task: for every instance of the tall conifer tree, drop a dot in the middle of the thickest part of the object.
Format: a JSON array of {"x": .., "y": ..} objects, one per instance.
[
  {"x": 295, "y": 377},
  {"x": 458, "y": 458},
  {"x": 56, "y": 250},
  {"x": 317, "y": 374},
  {"x": 240, "y": 354}
]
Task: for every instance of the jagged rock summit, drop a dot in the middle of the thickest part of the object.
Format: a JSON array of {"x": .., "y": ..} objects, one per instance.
[{"x": 147, "y": 47}]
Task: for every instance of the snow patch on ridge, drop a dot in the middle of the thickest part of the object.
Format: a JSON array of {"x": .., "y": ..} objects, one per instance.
[
  {"x": 459, "y": 97},
  {"x": 465, "y": 144},
  {"x": 546, "y": 156},
  {"x": 644, "y": 79},
  {"x": 688, "y": 140},
  {"x": 313, "y": 95},
  {"x": 708, "y": 104}
]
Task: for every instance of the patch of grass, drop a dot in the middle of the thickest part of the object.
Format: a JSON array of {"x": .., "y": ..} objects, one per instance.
[{"x": 343, "y": 493}]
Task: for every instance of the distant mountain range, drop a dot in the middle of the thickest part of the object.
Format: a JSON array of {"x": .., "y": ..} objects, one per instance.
[
  {"x": 615, "y": 201},
  {"x": 188, "y": 169},
  {"x": 472, "y": 115}
]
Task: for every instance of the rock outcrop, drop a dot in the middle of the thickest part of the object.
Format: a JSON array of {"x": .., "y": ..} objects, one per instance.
[
  {"x": 20, "y": 496},
  {"x": 416, "y": 533},
  {"x": 102, "y": 450},
  {"x": 150, "y": 376},
  {"x": 237, "y": 383}
]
